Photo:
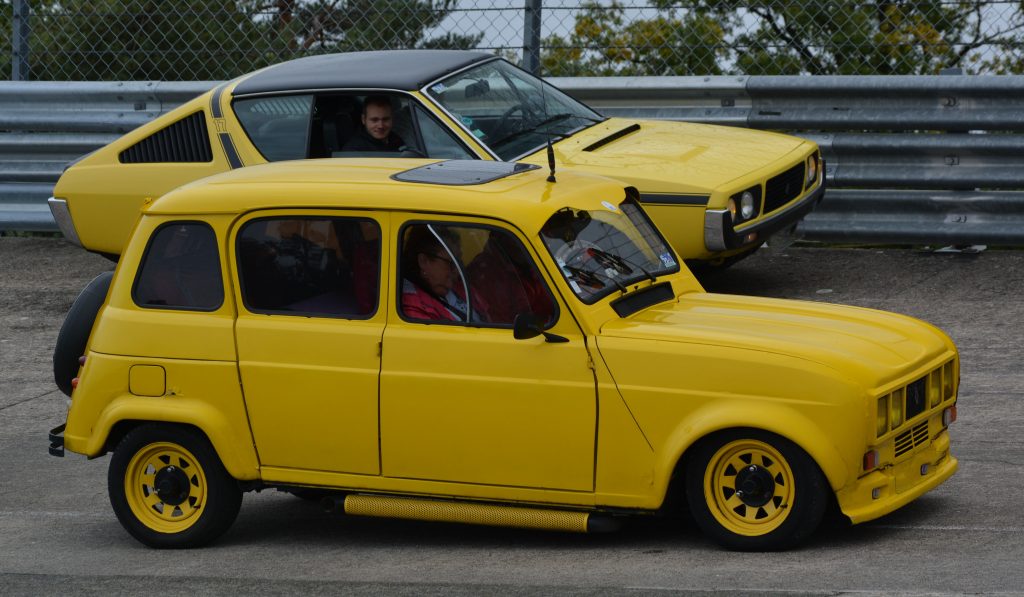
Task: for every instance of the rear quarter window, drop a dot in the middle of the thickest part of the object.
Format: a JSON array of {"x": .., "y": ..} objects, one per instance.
[{"x": 180, "y": 269}]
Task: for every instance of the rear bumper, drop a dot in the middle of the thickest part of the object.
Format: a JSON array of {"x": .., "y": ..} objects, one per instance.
[
  {"x": 57, "y": 441},
  {"x": 719, "y": 234},
  {"x": 62, "y": 215}
]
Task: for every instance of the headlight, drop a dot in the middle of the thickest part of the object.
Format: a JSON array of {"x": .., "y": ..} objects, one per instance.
[
  {"x": 812, "y": 169},
  {"x": 747, "y": 206}
]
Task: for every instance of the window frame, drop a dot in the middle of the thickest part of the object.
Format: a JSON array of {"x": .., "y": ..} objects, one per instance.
[
  {"x": 244, "y": 303},
  {"x": 400, "y": 279},
  {"x": 144, "y": 260}
]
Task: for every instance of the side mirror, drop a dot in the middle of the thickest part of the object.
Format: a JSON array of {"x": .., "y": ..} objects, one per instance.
[{"x": 526, "y": 326}]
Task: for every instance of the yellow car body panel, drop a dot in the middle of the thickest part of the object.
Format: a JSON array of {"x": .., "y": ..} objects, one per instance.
[{"x": 601, "y": 416}]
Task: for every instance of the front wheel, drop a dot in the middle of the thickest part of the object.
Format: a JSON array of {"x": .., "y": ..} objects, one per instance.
[
  {"x": 169, "y": 489},
  {"x": 751, "y": 490}
]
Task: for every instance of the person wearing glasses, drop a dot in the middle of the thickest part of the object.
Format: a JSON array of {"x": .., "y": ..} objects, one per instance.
[{"x": 433, "y": 285}]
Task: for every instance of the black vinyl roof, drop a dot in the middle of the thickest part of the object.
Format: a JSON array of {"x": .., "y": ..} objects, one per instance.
[{"x": 406, "y": 70}]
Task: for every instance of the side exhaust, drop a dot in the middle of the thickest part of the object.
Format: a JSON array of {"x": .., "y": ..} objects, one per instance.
[{"x": 470, "y": 513}]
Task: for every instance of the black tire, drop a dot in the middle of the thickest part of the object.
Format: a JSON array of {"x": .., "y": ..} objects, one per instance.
[
  {"x": 169, "y": 489},
  {"x": 751, "y": 490},
  {"x": 74, "y": 332}
]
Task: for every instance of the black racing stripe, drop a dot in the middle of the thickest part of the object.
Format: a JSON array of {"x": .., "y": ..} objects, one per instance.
[
  {"x": 670, "y": 199},
  {"x": 612, "y": 137},
  {"x": 215, "y": 101},
  {"x": 229, "y": 150}
]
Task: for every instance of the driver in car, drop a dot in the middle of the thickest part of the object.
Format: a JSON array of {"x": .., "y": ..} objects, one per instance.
[{"x": 376, "y": 133}]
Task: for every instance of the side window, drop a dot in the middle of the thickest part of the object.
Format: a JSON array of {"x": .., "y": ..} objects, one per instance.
[
  {"x": 277, "y": 126},
  {"x": 439, "y": 142},
  {"x": 180, "y": 269},
  {"x": 465, "y": 273},
  {"x": 310, "y": 266}
]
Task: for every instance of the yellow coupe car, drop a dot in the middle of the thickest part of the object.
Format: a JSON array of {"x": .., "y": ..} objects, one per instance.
[
  {"x": 716, "y": 192},
  {"x": 485, "y": 342}
]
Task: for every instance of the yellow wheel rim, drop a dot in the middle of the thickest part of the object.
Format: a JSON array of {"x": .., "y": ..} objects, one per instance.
[
  {"x": 748, "y": 486},
  {"x": 165, "y": 487}
]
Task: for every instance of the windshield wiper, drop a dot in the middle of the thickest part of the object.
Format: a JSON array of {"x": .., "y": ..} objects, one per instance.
[
  {"x": 593, "y": 279},
  {"x": 529, "y": 131},
  {"x": 554, "y": 118},
  {"x": 620, "y": 264},
  {"x": 532, "y": 129}
]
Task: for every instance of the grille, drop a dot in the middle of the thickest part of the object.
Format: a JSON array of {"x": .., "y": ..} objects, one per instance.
[
  {"x": 783, "y": 188},
  {"x": 916, "y": 398},
  {"x": 183, "y": 141},
  {"x": 912, "y": 438}
]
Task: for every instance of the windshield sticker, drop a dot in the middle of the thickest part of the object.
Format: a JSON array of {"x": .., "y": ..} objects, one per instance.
[
  {"x": 667, "y": 260},
  {"x": 609, "y": 206},
  {"x": 611, "y": 272},
  {"x": 478, "y": 133},
  {"x": 439, "y": 88},
  {"x": 575, "y": 286},
  {"x": 466, "y": 120}
]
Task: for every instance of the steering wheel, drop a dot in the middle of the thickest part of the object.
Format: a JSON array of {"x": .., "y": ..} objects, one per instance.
[{"x": 503, "y": 121}]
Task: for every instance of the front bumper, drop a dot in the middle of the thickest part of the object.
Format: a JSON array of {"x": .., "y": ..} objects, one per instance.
[
  {"x": 719, "y": 234},
  {"x": 883, "y": 491}
]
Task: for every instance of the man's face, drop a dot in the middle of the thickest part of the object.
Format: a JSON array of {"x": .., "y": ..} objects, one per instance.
[{"x": 377, "y": 120}]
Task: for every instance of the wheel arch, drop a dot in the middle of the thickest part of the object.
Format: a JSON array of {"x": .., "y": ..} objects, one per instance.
[
  {"x": 236, "y": 451},
  {"x": 779, "y": 420}
]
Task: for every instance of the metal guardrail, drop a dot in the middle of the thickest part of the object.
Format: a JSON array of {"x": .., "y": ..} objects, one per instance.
[{"x": 910, "y": 159}]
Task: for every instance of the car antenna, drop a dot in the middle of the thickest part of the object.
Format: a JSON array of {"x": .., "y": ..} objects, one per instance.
[
  {"x": 551, "y": 150},
  {"x": 551, "y": 161}
]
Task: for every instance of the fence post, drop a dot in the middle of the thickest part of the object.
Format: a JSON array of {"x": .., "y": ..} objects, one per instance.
[
  {"x": 531, "y": 36},
  {"x": 19, "y": 41}
]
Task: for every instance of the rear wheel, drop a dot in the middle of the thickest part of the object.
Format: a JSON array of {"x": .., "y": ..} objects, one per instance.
[
  {"x": 751, "y": 490},
  {"x": 169, "y": 489}
]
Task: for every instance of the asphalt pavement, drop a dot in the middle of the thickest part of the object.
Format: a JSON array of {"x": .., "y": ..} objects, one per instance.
[{"x": 58, "y": 534}]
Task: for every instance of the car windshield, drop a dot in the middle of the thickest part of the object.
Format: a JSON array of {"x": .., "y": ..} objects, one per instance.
[
  {"x": 602, "y": 251},
  {"x": 510, "y": 111}
]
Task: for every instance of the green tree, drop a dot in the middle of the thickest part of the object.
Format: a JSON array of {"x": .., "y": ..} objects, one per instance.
[
  {"x": 602, "y": 43},
  {"x": 6, "y": 12},
  {"x": 142, "y": 40},
  {"x": 217, "y": 39},
  {"x": 353, "y": 25},
  {"x": 850, "y": 37}
]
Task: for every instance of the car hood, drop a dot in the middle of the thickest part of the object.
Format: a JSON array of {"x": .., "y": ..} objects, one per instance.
[
  {"x": 873, "y": 347},
  {"x": 672, "y": 156}
]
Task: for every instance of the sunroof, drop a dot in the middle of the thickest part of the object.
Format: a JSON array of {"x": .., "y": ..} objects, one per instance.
[{"x": 462, "y": 172}]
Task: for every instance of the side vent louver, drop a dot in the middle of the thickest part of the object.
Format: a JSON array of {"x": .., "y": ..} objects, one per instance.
[{"x": 183, "y": 141}]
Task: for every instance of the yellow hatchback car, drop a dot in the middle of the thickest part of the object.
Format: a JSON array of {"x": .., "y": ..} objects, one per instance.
[
  {"x": 716, "y": 192},
  {"x": 485, "y": 342}
]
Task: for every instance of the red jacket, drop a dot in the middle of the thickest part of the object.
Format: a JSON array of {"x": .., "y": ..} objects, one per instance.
[
  {"x": 420, "y": 304},
  {"x": 417, "y": 303}
]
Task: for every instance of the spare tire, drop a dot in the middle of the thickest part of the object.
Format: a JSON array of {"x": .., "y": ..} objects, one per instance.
[{"x": 74, "y": 332}]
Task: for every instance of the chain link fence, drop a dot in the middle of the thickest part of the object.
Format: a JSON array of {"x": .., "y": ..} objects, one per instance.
[{"x": 180, "y": 40}]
